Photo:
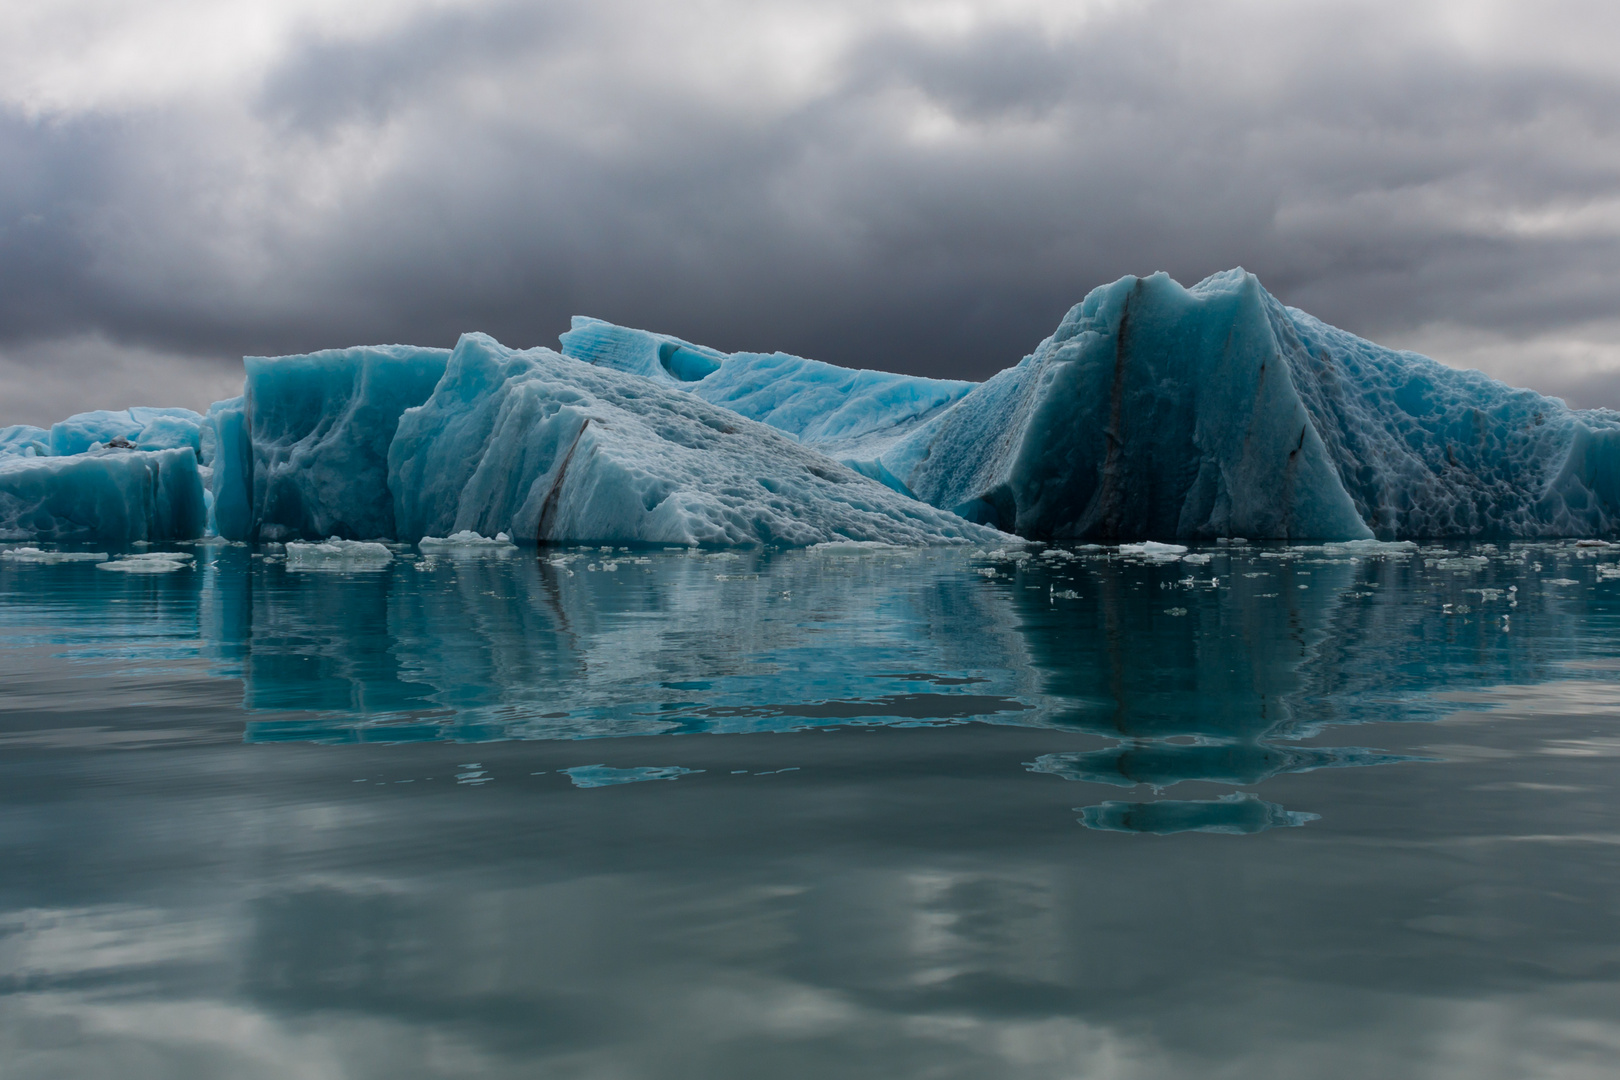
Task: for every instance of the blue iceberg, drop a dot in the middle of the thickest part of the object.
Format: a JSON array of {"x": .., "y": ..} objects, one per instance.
[
  {"x": 1153, "y": 412},
  {"x": 548, "y": 449},
  {"x": 140, "y": 427},
  {"x": 318, "y": 428},
  {"x": 1161, "y": 412},
  {"x": 854, "y": 416},
  {"x": 105, "y": 496},
  {"x": 24, "y": 440}
]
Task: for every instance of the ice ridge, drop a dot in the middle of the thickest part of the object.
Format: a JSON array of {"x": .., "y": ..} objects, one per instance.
[{"x": 852, "y": 415}]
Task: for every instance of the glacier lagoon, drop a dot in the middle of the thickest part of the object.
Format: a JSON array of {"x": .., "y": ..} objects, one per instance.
[
  {"x": 474, "y": 809},
  {"x": 1212, "y": 693}
]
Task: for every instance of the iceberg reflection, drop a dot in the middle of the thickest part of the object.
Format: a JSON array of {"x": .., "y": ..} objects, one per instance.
[
  {"x": 1236, "y": 813},
  {"x": 1211, "y": 668}
]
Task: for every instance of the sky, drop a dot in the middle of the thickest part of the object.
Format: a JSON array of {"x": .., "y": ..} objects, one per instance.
[{"x": 916, "y": 186}]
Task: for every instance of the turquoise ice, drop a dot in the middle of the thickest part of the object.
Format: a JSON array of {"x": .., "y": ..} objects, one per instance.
[{"x": 1153, "y": 412}]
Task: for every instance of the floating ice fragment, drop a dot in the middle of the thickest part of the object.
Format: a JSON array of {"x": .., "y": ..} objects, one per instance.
[
  {"x": 35, "y": 555},
  {"x": 1153, "y": 551},
  {"x": 156, "y": 562},
  {"x": 338, "y": 555},
  {"x": 467, "y": 542},
  {"x": 1370, "y": 547}
]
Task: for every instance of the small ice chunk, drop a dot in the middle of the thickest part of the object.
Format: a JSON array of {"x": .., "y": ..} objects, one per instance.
[
  {"x": 1370, "y": 547},
  {"x": 467, "y": 542},
  {"x": 153, "y": 562},
  {"x": 35, "y": 555},
  {"x": 338, "y": 555},
  {"x": 1154, "y": 551}
]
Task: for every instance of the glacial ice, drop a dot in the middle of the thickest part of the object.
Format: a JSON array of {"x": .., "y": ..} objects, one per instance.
[
  {"x": 24, "y": 440},
  {"x": 156, "y": 562},
  {"x": 338, "y": 555},
  {"x": 850, "y": 415},
  {"x": 544, "y": 447},
  {"x": 40, "y": 556},
  {"x": 113, "y": 497},
  {"x": 143, "y": 428},
  {"x": 466, "y": 542},
  {"x": 1154, "y": 413},
  {"x": 318, "y": 427}
]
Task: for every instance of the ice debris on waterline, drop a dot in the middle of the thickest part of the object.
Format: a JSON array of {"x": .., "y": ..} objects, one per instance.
[{"x": 1154, "y": 412}]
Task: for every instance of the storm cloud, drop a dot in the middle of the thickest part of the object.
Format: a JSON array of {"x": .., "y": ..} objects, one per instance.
[{"x": 922, "y": 187}]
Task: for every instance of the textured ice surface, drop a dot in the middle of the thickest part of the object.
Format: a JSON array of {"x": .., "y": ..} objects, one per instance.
[
  {"x": 229, "y": 455},
  {"x": 1153, "y": 413},
  {"x": 319, "y": 426},
  {"x": 24, "y": 440},
  {"x": 143, "y": 428},
  {"x": 851, "y": 415},
  {"x": 105, "y": 497},
  {"x": 338, "y": 555},
  {"x": 1157, "y": 411},
  {"x": 466, "y": 542},
  {"x": 1427, "y": 450},
  {"x": 548, "y": 448}
]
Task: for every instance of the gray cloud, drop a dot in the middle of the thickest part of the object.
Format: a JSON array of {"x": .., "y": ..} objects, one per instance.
[{"x": 884, "y": 186}]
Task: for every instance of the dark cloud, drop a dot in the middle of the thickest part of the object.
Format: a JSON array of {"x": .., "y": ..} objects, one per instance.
[{"x": 874, "y": 186}]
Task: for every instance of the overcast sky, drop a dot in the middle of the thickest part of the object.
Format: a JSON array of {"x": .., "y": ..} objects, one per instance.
[{"x": 918, "y": 186}]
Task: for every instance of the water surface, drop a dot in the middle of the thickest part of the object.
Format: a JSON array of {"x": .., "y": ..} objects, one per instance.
[{"x": 610, "y": 813}]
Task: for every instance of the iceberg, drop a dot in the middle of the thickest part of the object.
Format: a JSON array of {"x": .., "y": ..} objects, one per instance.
[
  {"x": 1161, "y": 412},
  {"x": 115, "y": 497},
  {"x": 553, "y": 450},
  {"x": 1154, "y": 414},
  {"x": 1172, "y": 414},
  {"x": 318, "y": 427}
]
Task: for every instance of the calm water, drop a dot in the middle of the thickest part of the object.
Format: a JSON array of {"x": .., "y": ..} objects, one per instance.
[{"x": 648, "y": 814}]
